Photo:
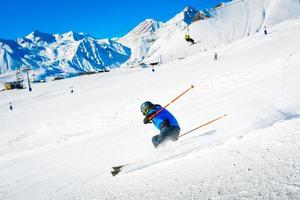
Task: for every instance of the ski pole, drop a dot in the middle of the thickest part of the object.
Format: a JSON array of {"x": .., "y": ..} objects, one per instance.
[
  {"x": 157, "y": 112},
  {"x": 205, "y": 124}
]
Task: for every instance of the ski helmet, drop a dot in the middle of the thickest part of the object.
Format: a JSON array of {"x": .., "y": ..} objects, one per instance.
[{"x": 145, "y": 107}]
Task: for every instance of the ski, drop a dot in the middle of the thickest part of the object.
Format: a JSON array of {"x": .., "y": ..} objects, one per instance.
[{"x": 117, "y": 169}]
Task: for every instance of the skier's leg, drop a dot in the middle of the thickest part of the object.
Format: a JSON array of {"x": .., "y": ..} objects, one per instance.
[
  {"x": 174, "y": 133},
  {"x": 169, "y": 133},
  {"x": 155, "y": 140},
  {"x": 166, "y": 133},
  {"x": 158, "y": 140}
]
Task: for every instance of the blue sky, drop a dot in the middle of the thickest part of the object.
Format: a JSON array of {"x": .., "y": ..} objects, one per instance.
[{"x": 99, "y": 18}]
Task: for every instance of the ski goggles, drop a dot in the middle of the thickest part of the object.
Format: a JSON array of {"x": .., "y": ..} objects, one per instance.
[{"x": 145, "y": 112}]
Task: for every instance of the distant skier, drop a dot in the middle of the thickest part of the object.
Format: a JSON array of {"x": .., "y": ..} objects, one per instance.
[
  {"x": 10, "y": 106},
  {"x": 265, "y": 30},
  {"x": 216, "y": 56},
  {"x": 164, "y": 121},
  {"x": 188, "y": 38}
]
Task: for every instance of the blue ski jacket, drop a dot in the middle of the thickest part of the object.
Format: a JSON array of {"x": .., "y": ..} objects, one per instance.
[{"x": 163, "y": 118}]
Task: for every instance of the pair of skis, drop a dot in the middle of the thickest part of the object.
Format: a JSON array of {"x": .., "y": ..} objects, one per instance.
[{"x": 117, "y": 169}]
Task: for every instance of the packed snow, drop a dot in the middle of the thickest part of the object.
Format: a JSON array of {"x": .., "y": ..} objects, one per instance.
[{"x": 58, "y": 144}]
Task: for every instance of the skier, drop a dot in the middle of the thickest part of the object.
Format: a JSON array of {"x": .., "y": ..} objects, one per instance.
[
  {"x": 188, "y": 38},
  {"x": 216, "y": 56},
  {"x": 265, "y": 30},
  {"x": 10, "y": 106},
  {"x": 164, "y": 121}
]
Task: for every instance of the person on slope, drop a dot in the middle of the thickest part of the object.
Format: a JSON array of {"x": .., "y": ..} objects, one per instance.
[
  {"x": 216, "y": 56},
  {"x": 163, "y": 120},
  {"x": 188, "y": 38}
]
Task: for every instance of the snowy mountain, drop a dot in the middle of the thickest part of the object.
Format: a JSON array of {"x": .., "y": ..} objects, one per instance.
[
  {"x": 65, "y": 54},
  {"x": 151, "y": 41},
  {"x": 12, "y": 55},
  {"x": 143, "y": 36},
  {"x": 218, "y": 26},
  {"x": 140, "y": 39},
  {"x": 186, "y": 17}
]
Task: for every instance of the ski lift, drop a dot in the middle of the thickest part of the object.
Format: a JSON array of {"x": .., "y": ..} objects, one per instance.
[{"x": 19, "y": 75}]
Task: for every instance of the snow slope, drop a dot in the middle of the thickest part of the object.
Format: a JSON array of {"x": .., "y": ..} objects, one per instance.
[{"x": 61, "y": 145}]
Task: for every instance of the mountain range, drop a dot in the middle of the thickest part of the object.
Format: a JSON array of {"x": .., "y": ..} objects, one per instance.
[
  {"x": 70, "y": 54},
  {"x": 67, "y": 53}
]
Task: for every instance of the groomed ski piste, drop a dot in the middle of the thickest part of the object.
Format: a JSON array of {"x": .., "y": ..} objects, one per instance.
[{"x": 55, "y": 144}]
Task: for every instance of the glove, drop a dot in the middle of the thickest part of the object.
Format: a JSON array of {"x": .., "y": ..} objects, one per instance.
[{"x": 146, "y": 120}]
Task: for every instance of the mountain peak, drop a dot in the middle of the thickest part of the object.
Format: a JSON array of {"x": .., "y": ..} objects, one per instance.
[
  {"x": 187, "y": 16},
  {"x": 71, "y": 35},
  {"x": 189, "y": 9},
  {"x": 37, "y": 36},
  {"x": 146, "y": 26}
]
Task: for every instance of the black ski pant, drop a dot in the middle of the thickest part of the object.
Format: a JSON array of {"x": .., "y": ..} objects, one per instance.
[{"x": 166, "y": 133}]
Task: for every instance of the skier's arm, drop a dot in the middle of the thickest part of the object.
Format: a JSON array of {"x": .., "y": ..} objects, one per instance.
[
  {"x": 147, "y": 117},
  {"x": 146, "y": 120}
]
